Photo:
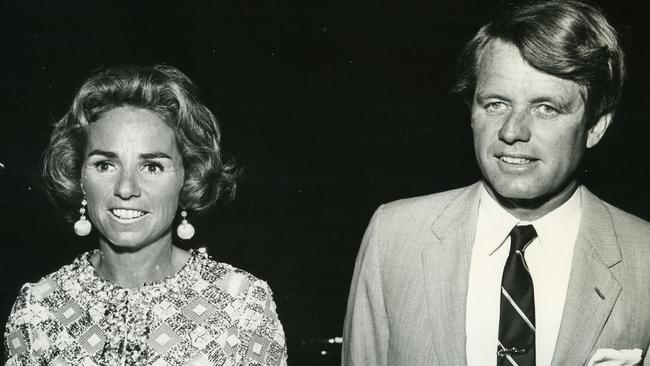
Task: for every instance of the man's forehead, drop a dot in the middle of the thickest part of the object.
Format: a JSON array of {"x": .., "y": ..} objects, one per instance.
[{"x": 502, "y": 69}]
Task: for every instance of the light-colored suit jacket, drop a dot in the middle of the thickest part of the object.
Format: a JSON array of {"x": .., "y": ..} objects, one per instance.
[{"x": 409, "y": 290}]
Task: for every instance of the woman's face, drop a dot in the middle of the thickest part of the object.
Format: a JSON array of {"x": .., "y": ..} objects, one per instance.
[{"x": 132, "y": 176}]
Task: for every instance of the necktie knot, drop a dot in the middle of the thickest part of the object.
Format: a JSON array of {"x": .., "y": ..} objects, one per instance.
[{"x": 520, "y": 236}]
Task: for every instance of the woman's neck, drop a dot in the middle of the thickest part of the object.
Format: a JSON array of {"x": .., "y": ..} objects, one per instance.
[{"x": 132, "y": 269}]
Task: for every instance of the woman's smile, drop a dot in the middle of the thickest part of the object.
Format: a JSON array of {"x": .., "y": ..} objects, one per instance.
[{"x": 127, "y": 215}]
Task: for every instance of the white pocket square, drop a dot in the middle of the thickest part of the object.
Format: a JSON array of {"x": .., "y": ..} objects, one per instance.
[{"x": 616, "y": 357}]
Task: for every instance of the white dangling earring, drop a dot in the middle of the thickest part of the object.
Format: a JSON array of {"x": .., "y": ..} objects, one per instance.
[
  {"x": 185, "y": 230},
  {"x": 83, "y": 226}
]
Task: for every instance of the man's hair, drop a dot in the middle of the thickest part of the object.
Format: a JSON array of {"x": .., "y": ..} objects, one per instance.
[
  {"x": 170, "y": 95},
  {"x": 564, "y": 38}
]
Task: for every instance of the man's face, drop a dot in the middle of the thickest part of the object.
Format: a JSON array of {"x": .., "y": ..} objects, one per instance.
[{"x": 528, "y": 126}]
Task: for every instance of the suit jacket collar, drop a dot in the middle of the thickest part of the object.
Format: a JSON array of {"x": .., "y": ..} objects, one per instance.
[
  {"x": 598, "y": 229},
  {"x": 446, "y": 273},
  {"x": 593, "y": 289}
]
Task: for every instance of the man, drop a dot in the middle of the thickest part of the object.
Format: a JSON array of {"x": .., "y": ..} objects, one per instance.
[{"x": 527, "y": 266}]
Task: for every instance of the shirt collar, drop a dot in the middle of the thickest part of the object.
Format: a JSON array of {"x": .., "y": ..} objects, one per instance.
[
  {"x": 495, "y": 223},
  {"x": 553, "y": 228}
]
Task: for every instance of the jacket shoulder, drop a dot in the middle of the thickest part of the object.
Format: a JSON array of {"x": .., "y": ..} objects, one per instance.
[
  {"x": 628, "y": 225},
  {"x": 418, "y": 208}
]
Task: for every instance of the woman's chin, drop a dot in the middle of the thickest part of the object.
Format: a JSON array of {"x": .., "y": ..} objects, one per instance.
[{"x": 131, "y": 241}]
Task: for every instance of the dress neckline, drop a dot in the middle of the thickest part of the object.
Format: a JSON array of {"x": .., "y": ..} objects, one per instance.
[{"x": 85, "y": 263}]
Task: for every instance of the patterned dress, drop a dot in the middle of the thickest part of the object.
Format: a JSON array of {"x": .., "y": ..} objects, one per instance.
[{"x": 208, "y": 313}]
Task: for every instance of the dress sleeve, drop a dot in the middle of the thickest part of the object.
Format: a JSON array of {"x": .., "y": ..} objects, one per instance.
[
  {"x": 260, "y": 331},
  {"x": 22, "y": 337},
  {"x": 365, "y": 330}
]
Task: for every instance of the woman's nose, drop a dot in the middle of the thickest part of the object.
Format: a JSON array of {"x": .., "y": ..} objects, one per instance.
[{"x": 127, "y": 185}]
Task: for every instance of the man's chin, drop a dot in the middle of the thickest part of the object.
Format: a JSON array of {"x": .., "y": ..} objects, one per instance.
[
  {"x": 513, "y": 191},
  {"x": 516, "y": 196},
  {"x": 530, "y": 196}
]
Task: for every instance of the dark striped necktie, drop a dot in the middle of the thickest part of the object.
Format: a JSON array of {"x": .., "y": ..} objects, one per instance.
[{"x": 517, "y": 322}]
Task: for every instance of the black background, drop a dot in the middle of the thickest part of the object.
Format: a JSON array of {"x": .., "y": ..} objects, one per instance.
[{"x": 332, "y": 108}]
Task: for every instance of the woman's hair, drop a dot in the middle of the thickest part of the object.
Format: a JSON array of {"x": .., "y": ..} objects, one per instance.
[
  {"x": 162, "y": 90},
  {"x": 564, "y": 38}
]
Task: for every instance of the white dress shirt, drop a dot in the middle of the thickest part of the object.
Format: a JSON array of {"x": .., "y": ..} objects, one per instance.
[{"x": 549, "y": 262}]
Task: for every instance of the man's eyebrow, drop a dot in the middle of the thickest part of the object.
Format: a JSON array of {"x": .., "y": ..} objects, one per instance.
[
  {"x": 104, "y": 153},
  {"x": 563, "y": 104},
  {"x": 155, "y": 155},
  {"x": 483, "y": 96}
]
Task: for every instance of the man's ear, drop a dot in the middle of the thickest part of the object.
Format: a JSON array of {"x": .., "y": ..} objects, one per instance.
[{"x": 597, "y": 131}]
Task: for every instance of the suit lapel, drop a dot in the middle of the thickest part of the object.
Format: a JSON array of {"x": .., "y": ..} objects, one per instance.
[
  {"x": 593, "y": 289},
  {"x": 446, "y": 272}
]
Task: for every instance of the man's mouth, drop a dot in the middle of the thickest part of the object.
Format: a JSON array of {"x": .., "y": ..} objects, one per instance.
[
  {"x": 127, "y": 214},
  {"x": 514, "y": 160}
]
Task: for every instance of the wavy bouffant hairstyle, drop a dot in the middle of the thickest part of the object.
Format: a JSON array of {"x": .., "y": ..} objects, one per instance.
[
  {"x": 563, "y": 38},
  {"x": 162, "y": 90}
]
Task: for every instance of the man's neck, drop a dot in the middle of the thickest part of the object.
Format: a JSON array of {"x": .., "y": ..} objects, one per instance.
[{"x": 533, "y": 209}]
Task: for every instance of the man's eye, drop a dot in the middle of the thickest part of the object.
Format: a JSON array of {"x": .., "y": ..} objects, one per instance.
[
  {"x": 495, "y": 107},
  {"x": 547, "y": 111}
]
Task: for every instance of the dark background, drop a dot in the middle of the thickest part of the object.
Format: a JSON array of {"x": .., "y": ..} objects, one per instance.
[{"x": 331, "y": 107}]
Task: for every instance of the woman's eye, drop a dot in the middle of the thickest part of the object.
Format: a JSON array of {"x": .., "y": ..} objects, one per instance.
[
  {"x": 153, "y": 168},
  {"x": 103, "y": 166}
]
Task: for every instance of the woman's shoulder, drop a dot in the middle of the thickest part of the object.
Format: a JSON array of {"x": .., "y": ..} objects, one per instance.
[
  {"x": 247, "y": 302},
  {"x": 226, "y": 277},
  {"x": 67, "y": 275},
  {"x": 33, "y": 307}
]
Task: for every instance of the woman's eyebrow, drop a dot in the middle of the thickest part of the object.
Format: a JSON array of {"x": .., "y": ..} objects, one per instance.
[
  {"x": 144, "y": 156},
  {"x": 155, "y": 155},
  {"x": 105, "y": 153}
]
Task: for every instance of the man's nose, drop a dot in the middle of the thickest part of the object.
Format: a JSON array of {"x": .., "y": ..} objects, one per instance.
[
  {"x": 127, "y": 185},
  {"x": 516, "y": 128}
]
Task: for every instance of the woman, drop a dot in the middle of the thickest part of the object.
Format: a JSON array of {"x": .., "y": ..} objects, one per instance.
[{"x": 136, "y": 147}]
